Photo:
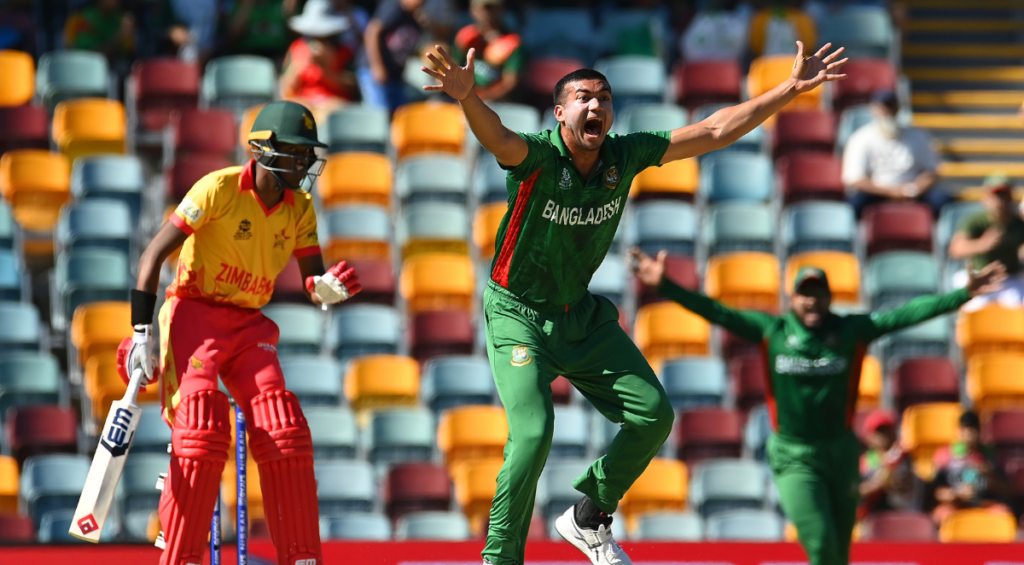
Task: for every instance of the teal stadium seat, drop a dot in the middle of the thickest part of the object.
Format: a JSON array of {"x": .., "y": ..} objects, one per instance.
[
  {"x": 432, "y": 178},
  {"x": 115, "y": 177},
  {"x": 70, "y": 74},
  {"x": 358, "y": 127},
  {"x": 756, "y": 432},
  {"x": 555, "y": 492},
  {"x": 456, "y": 380},
  {"x": 360, "y": 222},
  {"x": 364, "y": 329},
  {"x": 334, "y": 432},
  {"x": 669, "y": 526},
  {"x": 89, "y": 275},
  {"x": 609, "y": 279},
  {"x": 10, "y": 276},
  {"x": 137, "y": 496},
  {"x": 28, "y": 377},
  {"x": 694, "y": 382},
  {"x": 650, "y": 117},
  {"x": 517, "y": 117},
  {"x": 818, "y": 226},
  {"x": 727, "y": 484},
  {"x": 238, "y": 82},
  {"x": 344, "y": 486},
  {"x": 571, "y": 436},
  {"x": 55, "y": 525},
  {"x": 433, "y": 526},
  {"x": 739, "y": 226},
  {"x": 893, "y": 277},
  {"x": 361, "y": 526},
  {"x": 20, "y": 329},
  {"x": 745, "y": 525},
  {"x": 433, "y": 221},
  {"x": 7, "y": 226},
  {"x": 635, "y": 79},
  {"x": 865, "y": 31},
  {"x": 302, "y": 328},
  {"x": 401, "y": 435},
  {"x": 559, "y": 32},
  {"x": 664, "y": 224},
  {"x": 315, "y": 380},
  {"x": 927, "y": 339},
  {"x": 736, "y": 176},
  {"x": 153, "y": 433},
  {"x": 489, "y": 182},
  {"x": 949, "y": 221},
  {"x": 52, "y": 482},
  {"x": 754, "y": 141},
  {"x": 851, "y": 120},
  {"x": 99, "y": 222}
]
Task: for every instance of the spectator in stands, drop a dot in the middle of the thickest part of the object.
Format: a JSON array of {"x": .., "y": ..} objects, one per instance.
[
  {"x": 717, "y": 31},
  {"x": 887, "y": 474},
  {"x": 104, "y": 27},
  {"x": 884, "y": 160},
  {"x": 258, "y": 27},
  {"x": 357, "y": 18},
  {"x": 966, "y": 475},
  {"x": 775, "y": 29},
  {"x": 500, "y": 57},
  {"x": 17, "y": 28},
  {"x": 996, "y": 234},
  {"x": 391, "y": 37},
  {"x": 317, "y": 69},
  {"x": 187, "y": 29}
]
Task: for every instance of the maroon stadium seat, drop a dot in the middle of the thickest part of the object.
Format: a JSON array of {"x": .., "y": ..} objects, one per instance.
[
  {"x": 734, "y": 346},
  {"x": 41, "y": 429},
  {"x": 187, "y": 169},
  {"x": 16, "y": 529},
  {"x": 1014, "y": 472},
  {"x": 929, "y": 379},
  {"x": 289, "y": 286},
  {"x": 414, "y": 487},
  {"x": 378, "y": 280},
  {"x": 624, "y": 322},
  {"x": 811, "y": 176},
  {"x": 864, "y": 77},
  {"x": 709, "y": 82},
  {"x": 210, "y": 131},
  {"x": 561, "y": 390},
  {"x": 161, "y": 87},
  {"x": 1005, "y": 430},
  {"x": 899, "y": 526},
  {"x": 23, "y": 127},
  {"x": 804, "y": 130},
  {"x": 441, "y": 332},
  {"x": 749, "y": 375},
  {"x": 681, "y": 269},
  {"x": 542, "y": 76},
  {"x": 897, "y": 225},
  {"x": 709, "y": 433}
]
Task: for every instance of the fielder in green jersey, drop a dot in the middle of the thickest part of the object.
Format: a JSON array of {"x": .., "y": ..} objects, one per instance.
[
  {"x": 567, "y": 192},
  {"x": 814, "y": 364}
]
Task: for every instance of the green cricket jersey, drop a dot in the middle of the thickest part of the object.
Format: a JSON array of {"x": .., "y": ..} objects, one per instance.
[
  {"x": 813, "y": 375},
  {"x": 559, "y": 225}
]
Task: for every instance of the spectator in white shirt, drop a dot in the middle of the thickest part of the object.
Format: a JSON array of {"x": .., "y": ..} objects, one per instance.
[{"x": 884, "y": 160}]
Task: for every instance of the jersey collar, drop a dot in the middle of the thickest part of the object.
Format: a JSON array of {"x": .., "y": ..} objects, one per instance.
[
  {"x": 608, "y": 154},
  {"x": 247, "y": 181}
]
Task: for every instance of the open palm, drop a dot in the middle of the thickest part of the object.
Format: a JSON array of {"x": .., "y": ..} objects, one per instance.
[
  {"x": 456, "y": 81},
  {"x": 809, "y": 72}
]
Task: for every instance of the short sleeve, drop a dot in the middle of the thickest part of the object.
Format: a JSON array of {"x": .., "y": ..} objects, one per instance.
[
  {"x": 973, "y": 226},
  {"x": 389, "y": 13},
  {"x": 307, "y": 243},
  {"x": 855, "y": 159},
  {"x": 538, "y": 148},
  {"x": 198, "y": 206},
  {"x": 646, "y": 148}
]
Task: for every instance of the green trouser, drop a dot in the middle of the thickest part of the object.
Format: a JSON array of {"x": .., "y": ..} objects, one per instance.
[
  {"x": 528, "y": 349},
  {"x": 819, "y": 489}
]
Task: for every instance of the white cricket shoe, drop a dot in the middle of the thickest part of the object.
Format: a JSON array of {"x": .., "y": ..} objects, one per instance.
[{"x": 598, "y": 545}]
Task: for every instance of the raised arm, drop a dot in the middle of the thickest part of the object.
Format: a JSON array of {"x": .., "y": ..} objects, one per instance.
[
  {"x": 459, "y": 82},
  {"x": 729, "y": 124}
]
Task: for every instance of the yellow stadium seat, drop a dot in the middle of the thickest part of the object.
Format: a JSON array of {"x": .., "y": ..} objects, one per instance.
[
  {"x": 428, "y": 126},
  {"x": 485, "y": 227},
  {"x": 19, "y": 83},
  {"x": 99, "y": 327},
  {"x": 771, "y": 70},
  {"x": 678, "y": 179},
  {"x": 36, "y": 183},
  {"x": 842, "y": 270},
  {"x": 356, "y": 177},
  {"x": 343, "y": 249},
  {"x": 245, "y": 128},
  {"x": 927, "y": 427},
  {"x": 870, "y": 393},
  {"x": 254, "y": 493},
  {"x": 993, "y": 328},
  {"x": 666, "y": 329},
  {"x": 744, "y": 280},
  {"x": 382, "y": 381},
  {"x": 662, "y": 486},
  {"x": 103, "y": 385},
  {"x": 978, "y": 525},
  {"x": 994, "y": 380},
  {"x": 89, "y": 125},
  {"x": 475, "y": 484},
  {"x": 437, "y": 281},
  {"x": 471, "y": 433},
  {"x": 8, "y": 485}
]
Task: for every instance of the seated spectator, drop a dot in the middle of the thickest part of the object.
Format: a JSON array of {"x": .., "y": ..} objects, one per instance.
[
  {"x": 499, "y": 58},
  {"x": 966, "y": 474},
  {"x": 996, "y": 234},
  {"x": 317, "y": 69},
  {"x": 392, "y": 35},
  {"x": 717, "y": 31},
  {"x": 887, "y": 473},
  {"x": 774, "y": 30},
  {"x": 884, "y": 160},
  {"x": 104, "y": 27},
  {"x": 258, "y": 27}
]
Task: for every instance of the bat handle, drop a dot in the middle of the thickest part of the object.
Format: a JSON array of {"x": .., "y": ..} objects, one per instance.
[{"x": 134, "y": 385}]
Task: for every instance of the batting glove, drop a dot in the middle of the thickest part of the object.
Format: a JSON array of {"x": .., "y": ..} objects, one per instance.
[
  {"x": 338, "y": 285},
  {"x": 137, "y": 352}
]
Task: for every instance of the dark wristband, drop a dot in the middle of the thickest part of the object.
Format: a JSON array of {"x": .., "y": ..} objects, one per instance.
[{"x": 143, "y": 306}]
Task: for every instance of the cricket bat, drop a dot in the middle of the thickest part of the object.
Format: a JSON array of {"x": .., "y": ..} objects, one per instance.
[{"x": 107, "y": 464}]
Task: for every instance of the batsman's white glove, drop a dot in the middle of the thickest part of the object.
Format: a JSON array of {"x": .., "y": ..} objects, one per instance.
[
  {"x": 337, "y": 285},
  {"x": 141, "y": 353}
]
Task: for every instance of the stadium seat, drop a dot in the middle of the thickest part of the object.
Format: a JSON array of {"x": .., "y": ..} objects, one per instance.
[
  {"x": 756, "y": 432},
  {"x": 19, "y": 73},
  {"x": 736, "y": 176},
  {"x": 289, "y": 286},
  {"x": 9, "y": 478},
  {"x": 441, "y": 332},
  {"x": 850, "y": 120},
  {"x": 707, "y": 82},
  {"x": 21, "y": 328},
  {"x": 485, "y": 227},
  {"x": 677, "y": 180},
  {"x": 356, "y": 177},
  {"x": 52, "y": 482},
  {"x": 16, "y": 529},
  {"x": 755, "y": 141},
  {"x": 635, "y": 79},
  {"x": 110, "y": 177},
  {"x": 239, "y": 81},
  {"x": 378, "y": 281},
  {"x": 470, "y": 433},
  {"x": 357, "y": 127},
  {"x": 668, "y": 526},
  {"x": 210, "y": 131},
  {"x": 489, "y": 182},
  {"x": 978, "y": 525},
  {"x": 924, "y": 380},
  {"x": 437, "y": 281},
  {"x": 694, "y": 382},
  {"x": 994, "y": 380},
  {"x": 925, "y": 428},
  {"x": 709, "y": 433},
  {"x": 739, "y": 226},
  {"x": 560, "y": 32},
  {"x": 423, "y": 127},
  {"x": 749, "y": 374},
  {"x": 136, "y": 499},
  {"x": 555, "y": 492},
  {"x": 744, "y": 280},
  {"x": 870, "y": 387},
  {"x": 896, "y": 526},
  {"x": 96, "y": 223},
  {"x": 804, "y": 131},
  {"x": 768, "y": 71},
  {"x": 54, "y": 528},
  {"x": 609, "y": 280},
  {"x": 315, "y": 380},
  {"x": 416, "y": 487},
  {"x": 355, "y": 493},
  {"x": 99, "y": 327},
  {"x": 811, "y": 176},
  {"x": 88, "y": 126},
  {"x": 682, "y": 271},
  {"x": 456, "y": 380},
  {"x": 358, "y": 231},
  {"x": 517, "y": 117},
  {"x": 928, "y": 339},
  {"x": 950, "y": 217},
  {"x": 356, "y": 526},
  {"x": 718, "y": 485},
  {"x": 897, "y": 225},
  {"x": 153, "y": 434},
  {"x": 544, "y": 72},
  {"x": 401, "y": 435},
  {"x": 159, "y": 87},
  {"x": 665, "y": 330},
  {"x": 7, "y": 226},
  {"x": 433, "y": 526},
  {"x": 993, "y": 328},
  {"x": 70, "y": 74},
  {"x": 841, "y": 268},
  {"x": 245, "y": 127},
  {"x": 24, "y": 127},
  {"x": 864, "y": 77},
  {"x": 632, "y": 31},
  {"x": 893, "y": 277},
  {"x": 427, "y": 227},
  {"x": 664, "y": 224},
  {"x": 430, "y": 177},
  {"x": 475, "y": 485},
  {"x": 367, "y": 389},
  {"x": 651, "y": 117},
  {"x": 571, "y": 435},
  {"x": 818, "y": 226},
  {"x": 865, "y": 31},
  {"x": 745, "y": 525},
  {"x": 36, "y": 184},
  {"x": 334, "y": 432},
  {"x": 364, "y": 329},
  {"x": 301, "y": 327},
  {"x": 102, "y": 386},
  {"x": 662, "y": 486},
  {"x": 11, "y": 275},
  {"x": 186, "y": 171}
]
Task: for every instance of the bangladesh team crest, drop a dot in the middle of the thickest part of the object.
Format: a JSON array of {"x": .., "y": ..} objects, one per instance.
[
  {"x": 521, "y": 356},
  {"x": 611, "y": 178}
]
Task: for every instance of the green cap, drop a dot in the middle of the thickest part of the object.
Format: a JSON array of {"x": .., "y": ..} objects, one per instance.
[
  {"x": 285, "y": 122},
  {"x": 809, "y": 273}
]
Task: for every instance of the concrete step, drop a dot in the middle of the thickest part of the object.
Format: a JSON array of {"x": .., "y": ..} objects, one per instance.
[
  {"x": 947, "y": 121},
  {"x": 969, "y": 101},
  {"x": 980, "y": 149},
  {"x": 980, "y": 169}
]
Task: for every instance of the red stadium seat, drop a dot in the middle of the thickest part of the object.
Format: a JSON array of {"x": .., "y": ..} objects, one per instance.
[
  {"x": 188, "y": 169},
  {"x": 804, "y": 130},
  {"x": 561, "y": 390},
  {"x": 24, "y": 127},
  {"x": 750, "y": 378},
  {"x": 811, "y": 176},
  {"x": 378, "y": 280},
  {"x": 681, "y": 269},
  {"x": 707, "y": 82},
  {"x": 919, "y": 381},
  {"x": 709, "y": 433},
  {"x": 414, "y": 487},
  {"x": 864, "y": 77},
  {"x": 289, "y": 286},
  {"x": 897, "y": 225},
  {"x": 441, "y": 332},
  {"x": 41, "y": 429},
  {"x": 734, "y": 346},
  {"x": 161, "y": 87},
  {"x": 1005, "y": 430},
  {"x": 16, "y": 529},
  {"x": 544, "y": 74},
  {"x": 899, "y": 526},
  {"x": 210, "y": 131}
]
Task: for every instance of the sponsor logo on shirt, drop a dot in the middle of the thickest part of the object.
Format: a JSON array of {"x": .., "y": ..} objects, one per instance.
[
  {"x": 521, "y": 356},
  {"x": 566, "y": 216},
  {"x": 244, "y": 280},
  {"x": 787, "y": 365},
  {"x": 244, "y": 230},
  {"x": 566, "y": 182},
  {"x": 267, "y": 346},
  {"x": 190, "y": 210},
  {"x": 611, "y": 178},
  {"x": 279, "y": 239}
]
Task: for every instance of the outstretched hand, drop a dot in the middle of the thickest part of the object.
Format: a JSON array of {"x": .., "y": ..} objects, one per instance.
[
  {"x": 649, "y": 271},
  {"x": 456, "y": 81},
  {"x": 987, "y": 279},
  {"x": 809, "y": 72}
]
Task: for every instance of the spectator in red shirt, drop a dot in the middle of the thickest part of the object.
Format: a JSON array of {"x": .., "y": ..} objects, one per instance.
[
  {"x": 317, "y": 70},
  {"x": 887, "y": 475},
  {"x": 966, "y": 474},
  {"x": 499, "y": 53}
]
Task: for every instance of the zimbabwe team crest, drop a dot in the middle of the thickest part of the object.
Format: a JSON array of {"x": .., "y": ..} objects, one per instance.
[
  {"x": 521, "y": 356},
  {"x": 611, "y": 178}
]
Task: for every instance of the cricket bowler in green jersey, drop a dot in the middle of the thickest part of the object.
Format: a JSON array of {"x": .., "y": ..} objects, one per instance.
[
  {"x": 814, "y": 362},
  {"x": 567, "y": 192}
]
